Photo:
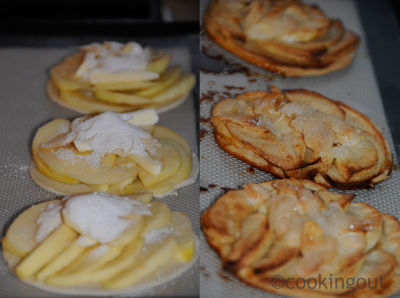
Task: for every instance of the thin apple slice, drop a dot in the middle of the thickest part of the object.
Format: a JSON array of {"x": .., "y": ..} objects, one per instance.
[
  {"x": 116, "y": 97},
  {"x": 45, "y": 251},
  {"x": 152, "y": 258},
  {"x": 42, "y": 168},
  {"x": 99, "y": 76},
  {"x": 181, "y": 174},
  {"x": 20, "y": 237},
  {"x": 48, "y": 131},
  {"x": 86, "y": 103},
  {"x": 160, "y": 217},
  {"x": 159, "y": 64},
  {"x": 63, "y": 74},
  {"x": 170, "y": 159},
  {"x": 183, "y": 232},
  {"x": 78, "y": 166},
  {"x": 125, "y": 260},
  {"x": 168, "y": 78},
  {"x": 149, "y": 163},
  {"x": 161, "y": 132},
  {"x": 91, "y": 259},
  {"x": 144, "y": 197},
  {"x": 61, "y": 261},
  {"x": 180, "y": 88}
]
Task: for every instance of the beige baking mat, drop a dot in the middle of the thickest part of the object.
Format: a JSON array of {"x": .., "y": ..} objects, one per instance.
[
  {"x": 24, "y": 107},
  {"x": 219, "y": 171}
]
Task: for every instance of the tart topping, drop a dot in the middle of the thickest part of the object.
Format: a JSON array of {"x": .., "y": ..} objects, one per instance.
[
  {"x": 48, "y": 221},
  {"x": 285, "y": 20},
  {"x": 101, "y": 216},
  {"x": 101, "y": 61},
  {"x": 112, "y": 133}
]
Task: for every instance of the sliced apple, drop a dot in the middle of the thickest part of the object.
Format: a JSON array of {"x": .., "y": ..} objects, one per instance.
[
  {"x": 161, "y": 132},
  {"x": 184, "y": 234},
  {"x": 168, "y": 78},
  {"x": 63, "y": 74},
  {"x": 42, "y": 168},
  {"x": 125, "y": 260},
  {"x": 133, "y": 232},
  {"x": 170, "y": 160},
  {"x": 115, "y": 97},
  {"x": 45, "y": 251},
  {"x": 98, "y": 76},
  {"x": 181, "y": 174},
  {"x": 61, "y": 261},
  {"x": 119, "y": 188},
  {"x": 86, "y": 103},
  {"x": 159, "y": 64},
  {"x": 148, "y": 163},
  {"x": 178, "y": 89},
  {"x": 20, "y": 237},
  {"x": 90, "y": 260},
  {"x": 79, "y": 167},
  {"x": 160, "y": 217},
  {"x": 154, "y": 257},
  {"x": 125, "y": 86},
  {"x": 144, "y": 197},
  {"x": 47, "y": 132}
]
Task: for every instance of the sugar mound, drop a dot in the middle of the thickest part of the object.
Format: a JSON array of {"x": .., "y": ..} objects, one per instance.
[
  {"x": 101, "y": 215},
  {"x": 48, "y": 221},
  {"x": 109, "y": 132}
]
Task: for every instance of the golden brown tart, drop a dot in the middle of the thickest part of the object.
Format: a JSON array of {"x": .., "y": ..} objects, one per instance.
[
  {"x": 297, "y": 230},
  {"x": 302, "y": 134},
  {"x": 287, "y": 36}
]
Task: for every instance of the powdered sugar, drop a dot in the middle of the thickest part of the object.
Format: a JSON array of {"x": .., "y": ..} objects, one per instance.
[
  {"x": 157, "y": 235},
  {"x": 102, "y": 216},
  {"x": 99, "y": 251},
  {"x": 107, "y": 133},
  {"x": 85, "y": 241},
  {"x": 115, "y": 57},
  {"x": 48, "y": 221}
]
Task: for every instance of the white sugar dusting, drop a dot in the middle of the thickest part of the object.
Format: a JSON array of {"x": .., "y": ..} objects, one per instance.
[
  {"x": 110, "y": 133},
  {"x": 99, "y": 251},
  {"x": 157, "y": 235},
  {"x": 48, "y": 221},
  {"x": 102, "y": 216},
  {"x": 85, "y": 241},
  {"x": 115, "y": 57}
]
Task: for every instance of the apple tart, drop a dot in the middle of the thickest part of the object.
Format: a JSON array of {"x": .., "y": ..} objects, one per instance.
[
  {"x": 116, "y": 153},
  {"x": 99, "y": 243},
  {"x": 119, "y": 78},
  {"x": 288, "y": 37},
  {"x": 302, "y": 134},
  {"x": 285, "y": 236}
]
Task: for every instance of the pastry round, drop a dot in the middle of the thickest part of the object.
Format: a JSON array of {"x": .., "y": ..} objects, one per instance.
[
  {"x": 126, "y": 159},
  {"x": 80, "y": 245},
  {"x": 73, "y": 85},
  {"x": 302, "y": 134},
  {"x": 281, "y": 234},
  {"x": 287, "y": 37}
]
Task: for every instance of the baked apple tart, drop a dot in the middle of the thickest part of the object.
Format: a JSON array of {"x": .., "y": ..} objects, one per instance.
[
  {"x": 99, "y": 243},
  {"x": 287, "y": 36},
  {"x": 295, "y": 238},
  {"x": 116, "y": 153},
  {"x": 302, "y": 134},
  {"x": 119, "y": 78}
]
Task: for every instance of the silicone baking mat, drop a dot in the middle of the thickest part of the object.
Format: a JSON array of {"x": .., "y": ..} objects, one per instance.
[
  {"x": 356, "y": 85},
  {"x": 25, "y": 107}
]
